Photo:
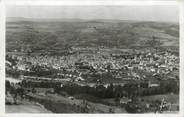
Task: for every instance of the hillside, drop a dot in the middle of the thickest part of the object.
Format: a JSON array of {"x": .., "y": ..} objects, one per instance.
[{"x": 57, "y": 34}]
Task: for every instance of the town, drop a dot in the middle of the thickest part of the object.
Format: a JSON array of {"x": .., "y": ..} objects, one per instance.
[
  {"x": 123, "y": 79},
  {"x": 92, "y": 59}
]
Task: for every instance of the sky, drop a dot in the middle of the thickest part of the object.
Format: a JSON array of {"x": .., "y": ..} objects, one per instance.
[{"x": 160, "y": 13}]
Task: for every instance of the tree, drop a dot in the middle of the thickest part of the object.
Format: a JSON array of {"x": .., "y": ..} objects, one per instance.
[
  {"x": 109, "y": 91},
  {"x": 8, "y": 86}
]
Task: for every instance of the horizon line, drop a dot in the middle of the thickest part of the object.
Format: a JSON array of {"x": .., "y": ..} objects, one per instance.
[{"x": 86, "y": 19}]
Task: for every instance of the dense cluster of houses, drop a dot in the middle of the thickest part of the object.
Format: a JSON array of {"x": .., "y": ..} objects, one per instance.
[{"x": 122, "y": 65}]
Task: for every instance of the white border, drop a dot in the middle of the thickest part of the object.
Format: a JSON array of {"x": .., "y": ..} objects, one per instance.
[
  {"x": 2, "y": 59},
  {"x": 91, "y": 3},
  {"x": 181, "y": 58}
]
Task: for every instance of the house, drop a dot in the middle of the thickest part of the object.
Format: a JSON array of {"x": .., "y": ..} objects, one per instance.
[
  {"x": 124, "y": 100},
  {"x": 153, "y": 84},
  {"x": 79, "y": 79}
]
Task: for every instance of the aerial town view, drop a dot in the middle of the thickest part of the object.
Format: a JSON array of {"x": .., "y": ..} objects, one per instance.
[{"x": 92, "y": 59}]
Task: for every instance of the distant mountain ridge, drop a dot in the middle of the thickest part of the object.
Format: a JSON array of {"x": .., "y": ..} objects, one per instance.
[{"x": 15, "y": 19}]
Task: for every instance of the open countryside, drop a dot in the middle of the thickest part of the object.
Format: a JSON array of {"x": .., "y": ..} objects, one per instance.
[{"x": 91, "y": 66}]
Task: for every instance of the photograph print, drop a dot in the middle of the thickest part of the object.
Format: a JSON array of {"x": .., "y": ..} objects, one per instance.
[{"x": 92, "y": 59}]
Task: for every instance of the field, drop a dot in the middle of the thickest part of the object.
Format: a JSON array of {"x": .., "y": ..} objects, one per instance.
[
  {"x": 26, "y": 107},
  {"x": 61, "y": 104},
  {"x": 173, "y": 98}
]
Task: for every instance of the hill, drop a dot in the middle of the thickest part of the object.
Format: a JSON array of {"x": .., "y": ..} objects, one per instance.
[{"x": 59, "y": 34}]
